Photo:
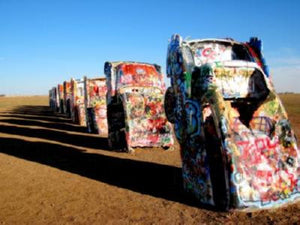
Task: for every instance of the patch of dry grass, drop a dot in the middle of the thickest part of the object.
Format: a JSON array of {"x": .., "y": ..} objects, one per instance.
[{"x": 291, "y": 103}]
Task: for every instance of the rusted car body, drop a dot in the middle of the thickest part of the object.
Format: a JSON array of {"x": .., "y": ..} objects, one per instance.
[
  {"x": 95, "y": 104},
  {"x": 237, "y": 146},
  {"x": 78, "y": 112},
  {"x": 135, "y": 109}
]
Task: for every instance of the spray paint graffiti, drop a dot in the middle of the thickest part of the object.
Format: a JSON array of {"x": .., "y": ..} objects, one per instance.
[
  {"x": 67, "y": 98},
  {"x": 95, "y": 98},
  {"x": 135, "y": 106},
  {"x": 60, "y": 89},
  {"x": 212, "y": 52},
  {"x": 255, "y": 48},
  {"x": 238, "y": 149},
  {"x": 77, "y": 102},
  {"x": 274, "y": 159}
]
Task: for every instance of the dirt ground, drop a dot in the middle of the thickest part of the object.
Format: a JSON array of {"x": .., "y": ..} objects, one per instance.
[{"x": 53, "y": 172}]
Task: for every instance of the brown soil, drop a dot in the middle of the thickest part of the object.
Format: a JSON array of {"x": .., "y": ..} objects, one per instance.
[{"x": 53, "y": 172}]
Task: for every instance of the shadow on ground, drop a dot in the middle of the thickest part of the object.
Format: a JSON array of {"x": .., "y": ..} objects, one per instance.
[
  {"x": 29, "y": 121},
  {"x": 37, "y": 110},
  {"x": 147, "y": 178},
  {"x": 144, "y": 177},
  {"x": 62, "y": 124},
  {"x": 60, "y": 136}
]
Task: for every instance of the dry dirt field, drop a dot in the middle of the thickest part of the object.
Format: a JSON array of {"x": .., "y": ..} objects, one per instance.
[{"x": 53, "y": 172}]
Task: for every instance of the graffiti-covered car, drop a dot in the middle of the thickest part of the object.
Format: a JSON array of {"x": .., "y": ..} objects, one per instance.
[
  {"x": 237, "y": 146},
  {"x": 60, "y": 91},
  {"x": 67, "y": 98},
  {"x": 136, "y": 118},
  {"x": 53, "y": 99},
  {"x": 95, "y": 100},
  {"x": 77, "y": 106}
]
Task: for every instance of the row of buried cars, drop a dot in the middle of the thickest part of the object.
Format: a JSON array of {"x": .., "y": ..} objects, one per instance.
[
  {"x": 126, "y": 106},
  {"x": 237, "y": 147}
]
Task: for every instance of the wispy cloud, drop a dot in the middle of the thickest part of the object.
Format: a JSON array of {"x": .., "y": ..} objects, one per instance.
[
  {"x": 286, "y": 62},
  {"x": 286, "y": 78},
  {"x": 284, "y": 57},
  {"x": 285, "y": 69}
]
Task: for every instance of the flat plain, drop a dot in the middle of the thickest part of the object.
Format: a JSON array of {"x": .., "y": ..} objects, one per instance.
[{"x": 53, "y": 172}]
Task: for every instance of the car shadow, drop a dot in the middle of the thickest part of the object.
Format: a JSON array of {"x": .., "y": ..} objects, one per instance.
[
  {"x": 55, "y": 119},
  {"x": 37, "y": 113},
  {"x": 153, "y": 179},
  {"x": 27, "y": 121},
  {"x": 163, "y": 181},
  {"x": 38, "y": 110},
  {"x": 87, "y": 141},
  {"x": 61, "y": 134}
]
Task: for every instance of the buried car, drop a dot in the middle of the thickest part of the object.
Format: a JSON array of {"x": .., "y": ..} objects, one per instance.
[
  {"x": 53, "y": 99},
  {"x": 60, "y": 92},
  {"x": 135, "y": 109},
  {"x": 95, "y": 104},
  {"x": 77, "y": 106},
  {"x": 67, "y": 98},
  {"x": 237, "y": 146}
]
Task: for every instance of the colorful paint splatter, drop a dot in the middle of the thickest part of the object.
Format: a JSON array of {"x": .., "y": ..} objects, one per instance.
[
  {"x": 67, "y": 98},
  {"x": 135, "y": 109},
  {"x": 238, "y": 149},
  {"x": 95, "y": 96},
  {"x": 60, "y": 89},
  {"x": 77, "y": 102}
]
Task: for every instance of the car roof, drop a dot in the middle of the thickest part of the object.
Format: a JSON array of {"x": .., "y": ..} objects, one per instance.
[
  {"x": 216, "y": 40},
  {"x": 117, "y": 63},
  {"x": 97, "y": 78}
]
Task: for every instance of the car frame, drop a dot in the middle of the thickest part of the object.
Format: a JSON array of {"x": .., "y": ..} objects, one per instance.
[
  {"x": 135, "y": 109},
  {"x": 60, "y": 91},
  {"x": 67, "y": 98},
  {"x": 53, "y": 99},
  {"x": 77, "y": 104},
  {"x": 95, "y": 105},
  {"x": 237, "y": 146}
]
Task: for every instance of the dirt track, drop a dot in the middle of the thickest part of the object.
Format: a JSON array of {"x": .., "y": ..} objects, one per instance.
[{"x": 53, "y": 172}]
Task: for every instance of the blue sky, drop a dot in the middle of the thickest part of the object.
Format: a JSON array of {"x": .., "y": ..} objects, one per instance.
[{"x": 43, "y": 43}]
